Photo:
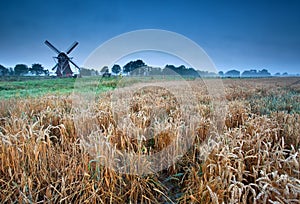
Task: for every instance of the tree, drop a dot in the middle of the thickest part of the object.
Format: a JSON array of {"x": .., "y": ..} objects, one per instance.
[
  {"x": 169, "y": 70},
  {"x": 46, "y": 72},
  {"x": 132, "y": 65},
  {"x": 104, "y": 69},
  {"x": 88, "y": 72},
  {"x": 249, "y": 73},
  {"x": 255, "y": 73},
  {"x": 138, "y": 63},
  {"x": 170, "y": 66},
  {"x": 232, "y": 73},
  {"x": 285, "y": 74},
  {"x": 11, "y": 71},
  {"x": 181, "y": 70},
  {"x": 154, "y": 71},
  {"x": 181, "y": 67},
  {"x": 21, "y": 69},
  {"x": 221, "y": 73},
  {"x": 3, "y": 70},
  {"x": 116, "y": 69},
  {"x": 277, "y": 74},
  {"x": 85, "y": 72},
  {"x": 264, "y": 73},
  {"x": 37, "y": 69},
  {"x": 127, "y": 67}
]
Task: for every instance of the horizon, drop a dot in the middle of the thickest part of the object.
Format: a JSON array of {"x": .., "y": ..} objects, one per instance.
[{"x": 122, "y": 62}]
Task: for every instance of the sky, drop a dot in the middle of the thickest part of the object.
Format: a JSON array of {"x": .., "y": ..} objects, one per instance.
[{"x": 256, "y": 34}]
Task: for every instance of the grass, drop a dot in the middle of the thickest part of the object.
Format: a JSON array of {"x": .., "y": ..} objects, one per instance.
[
  {"x": 24, "y": 87},
  {"x": 52, "y": 151},
  {"x": 40, "y": 87}
]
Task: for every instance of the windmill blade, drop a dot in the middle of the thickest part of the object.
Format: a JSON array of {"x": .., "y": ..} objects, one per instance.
[
  {"x": 55, "y": 66},
  {"x": 74, "y": 64},
  {"x": 72, "y": 47},
  {"x": 52, "y": 47}
]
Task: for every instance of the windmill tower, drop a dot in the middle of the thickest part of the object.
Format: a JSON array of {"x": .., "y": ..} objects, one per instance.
[{"x": 62, "y": 66}]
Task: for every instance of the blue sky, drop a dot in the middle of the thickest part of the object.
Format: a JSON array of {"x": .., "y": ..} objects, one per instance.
[{"x": 235, "y": 34}]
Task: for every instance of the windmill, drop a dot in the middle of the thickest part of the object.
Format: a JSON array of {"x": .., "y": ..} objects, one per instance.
[{"x": 62, "y": 67}]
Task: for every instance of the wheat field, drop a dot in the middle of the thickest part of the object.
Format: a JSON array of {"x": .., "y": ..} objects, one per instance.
[{"x": 56, "y": 149}]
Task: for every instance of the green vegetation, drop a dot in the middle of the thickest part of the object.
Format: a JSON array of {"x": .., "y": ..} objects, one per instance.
[
  {"x": 58, "y": 86},
  {"x": 20, "y": 87},
  {"x": 288, "y": 101},
  {"x": 266, "y": 96}
]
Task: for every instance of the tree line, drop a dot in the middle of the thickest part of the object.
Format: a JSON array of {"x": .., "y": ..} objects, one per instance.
[
  {"x": 138, "y": 68},
  {"x": 23, "y": 70},
  {"x": 250, "y": 73},
  {"x": 246, "y": 73}
]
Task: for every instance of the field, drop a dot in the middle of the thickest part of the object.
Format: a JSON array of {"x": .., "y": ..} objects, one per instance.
[
  {"x": 30, "y": 87},
  {"x": 134, "y": 141}
]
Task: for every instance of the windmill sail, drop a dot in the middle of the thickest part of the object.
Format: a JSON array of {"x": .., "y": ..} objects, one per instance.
[
  {"x": 52, "y": 47},
  {"x": 72, "y": 47}
]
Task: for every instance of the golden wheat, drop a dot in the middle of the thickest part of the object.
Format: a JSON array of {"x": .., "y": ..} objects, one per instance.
[{"x": 250, "y": 158}]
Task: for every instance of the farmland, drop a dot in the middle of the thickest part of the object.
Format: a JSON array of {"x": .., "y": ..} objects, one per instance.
[
  {"x": 52, "y": 141},
  {"x": 31, "y": 87}
]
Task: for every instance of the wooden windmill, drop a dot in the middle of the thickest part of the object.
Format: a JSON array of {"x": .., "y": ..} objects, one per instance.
[{"x": 62, "y": 66}]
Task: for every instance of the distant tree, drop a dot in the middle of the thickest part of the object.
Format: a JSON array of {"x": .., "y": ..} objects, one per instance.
[
  {"x": 209, "y": 74},
  {"x": 11, "y": 71},
  {"x": 221, "y": 73},
  {"x": 170, "y": 66},
  {"x": 285, "y": 74},
  {"x": 138, "y": 63},
  {"x": 264, "y": 73},
  {"x": 21, "y": 69},
  {"x": 104, "y": 69},
  {"x": 3, "y": 71},
  {"x": 232, "y": 73},
  {"x": 249, "y": 73},
  {"x": 255, "y": 73},
  {"x": 85, "y": 72},
  {"x": 181, "y": 70},
  {"x": 128, "y": 67},
  {"x": 88, "y": 72},
  {"x": 181, "y": 67},
  {"x": 46, "y": 72},
  {"x": 203, "y": 73},
  {"x": 191, "y": 72},
  {"x": 169, "y": 70},
  {"x": 154, "y": 71},
  {"x": 94, "y": 72},
  {"x": 37, "y": 69},
  {"x": 116, "y": 69},
  {"x": 277, "y": 74},
  {"x": 132, "y": 65},
  {"x": 245, "y": 73}
]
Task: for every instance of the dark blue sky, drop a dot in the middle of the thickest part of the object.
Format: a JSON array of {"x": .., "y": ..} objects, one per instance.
[{"x": 235, "y": 34}]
